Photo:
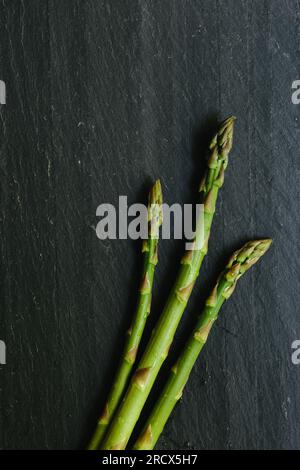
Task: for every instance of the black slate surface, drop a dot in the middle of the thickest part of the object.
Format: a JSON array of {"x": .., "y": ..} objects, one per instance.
[{"x": 103, "y": 97}]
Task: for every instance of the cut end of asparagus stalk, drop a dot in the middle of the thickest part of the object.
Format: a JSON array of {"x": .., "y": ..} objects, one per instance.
[{"x": 155, "y": 213}]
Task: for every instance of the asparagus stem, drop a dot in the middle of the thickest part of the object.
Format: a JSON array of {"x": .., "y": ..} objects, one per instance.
[
  {"x": 238, "y": 264},
  {"x": 135, "y": 332},
  {"x": 157, "y": 350}
]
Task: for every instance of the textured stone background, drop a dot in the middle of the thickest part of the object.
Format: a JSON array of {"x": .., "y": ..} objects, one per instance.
[{"x": 103, "y": 97}]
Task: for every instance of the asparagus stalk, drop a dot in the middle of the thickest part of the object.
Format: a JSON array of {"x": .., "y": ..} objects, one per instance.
[
  {"x": 157, "y": 350},
  {"x": 238, "y": 264},
  {"x": 135, "y": 332}
]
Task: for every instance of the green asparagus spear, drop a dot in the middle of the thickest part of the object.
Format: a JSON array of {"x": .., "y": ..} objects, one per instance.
[
  {"x": 149, "y": 249},
  {"x": 238, "y": 264},
  {"x": 156, "y": 352}
]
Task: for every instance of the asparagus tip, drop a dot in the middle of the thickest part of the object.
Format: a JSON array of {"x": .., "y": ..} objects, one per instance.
[
  {"x": 229, "y": 121},
  {"x": 155, "y": 213},
  {"x": 220, "y": 147},
  {"x": 245, "y": 257},
  {"x": 155, "y": 196},
  {"x": 225, "y": 134},
  {"x": 265, "y": 244}
]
